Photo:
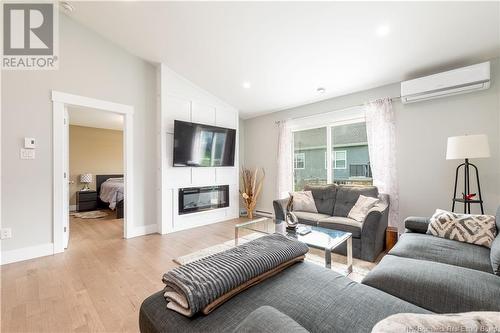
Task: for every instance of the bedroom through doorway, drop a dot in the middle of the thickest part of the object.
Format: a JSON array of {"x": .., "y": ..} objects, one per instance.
[
  {"x": 96, "y": 165},
  {"x": 97, "y": 179}
]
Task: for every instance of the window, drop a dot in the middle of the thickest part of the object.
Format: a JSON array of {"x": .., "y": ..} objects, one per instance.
[
  {"x": 300, "y": 161},
  {"x": 340, "y": 159},
  {"x": 336, "y": 153},
  {"x": 310, "y": 144}
]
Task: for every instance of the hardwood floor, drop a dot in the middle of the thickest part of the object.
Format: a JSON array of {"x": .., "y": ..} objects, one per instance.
[{"x": 99, "y": 282}]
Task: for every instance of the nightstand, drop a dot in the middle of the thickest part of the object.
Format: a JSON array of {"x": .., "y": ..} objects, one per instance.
[{"x": 86, "y": 200}]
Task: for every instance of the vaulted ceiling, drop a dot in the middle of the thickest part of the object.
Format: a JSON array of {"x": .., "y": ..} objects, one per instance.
[{"x": 266, "y": 56}]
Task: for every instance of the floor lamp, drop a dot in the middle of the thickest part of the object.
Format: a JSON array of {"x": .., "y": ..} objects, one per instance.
[{"x": 467, "y": 147}]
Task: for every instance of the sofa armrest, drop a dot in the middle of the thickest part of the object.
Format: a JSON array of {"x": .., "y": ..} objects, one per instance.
[
  {"x": 373, "y": 232},
  {"x": 279, "y": 206},
  {"x": 417, "y": 224}
]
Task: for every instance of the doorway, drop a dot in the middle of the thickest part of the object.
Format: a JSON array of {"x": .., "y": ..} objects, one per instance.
[{"x": 62, "y": 104}]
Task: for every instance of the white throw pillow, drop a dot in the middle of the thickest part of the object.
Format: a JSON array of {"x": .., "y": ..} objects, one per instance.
[
  {"x": 471, "y": 322},
  {"x": 467, "y": 228},
  {"x": 304, "y": 201},
  {"x": 361, "y": 207}
]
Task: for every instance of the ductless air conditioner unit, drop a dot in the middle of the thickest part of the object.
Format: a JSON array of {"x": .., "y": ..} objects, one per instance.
[{"x": 454, "y": 82}]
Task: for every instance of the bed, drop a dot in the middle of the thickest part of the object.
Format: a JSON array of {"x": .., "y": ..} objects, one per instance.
[{"x": 110, "y": 193}]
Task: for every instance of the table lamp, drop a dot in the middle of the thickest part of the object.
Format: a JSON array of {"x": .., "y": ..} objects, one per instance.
[
  {"x": 466, "y": 147},
  {"x": 86, "y": 178}
]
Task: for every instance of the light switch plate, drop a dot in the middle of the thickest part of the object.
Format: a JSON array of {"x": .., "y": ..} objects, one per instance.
[
  {"x": 27, "y": 154},
  {"x": 6, "y": 233}
]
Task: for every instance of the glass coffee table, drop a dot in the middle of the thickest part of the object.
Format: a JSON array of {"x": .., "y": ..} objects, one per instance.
[{"x": 319, "y": 238}]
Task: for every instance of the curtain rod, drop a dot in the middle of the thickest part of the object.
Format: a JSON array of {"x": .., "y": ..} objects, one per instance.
[{"x": 393, "y": 99}]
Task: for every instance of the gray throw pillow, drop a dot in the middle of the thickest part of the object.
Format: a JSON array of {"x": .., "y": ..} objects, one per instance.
[
  {"x": 303, "y": 201},
  {"x": 467, "y": 228},
  {"x": 495, "y": 256}
]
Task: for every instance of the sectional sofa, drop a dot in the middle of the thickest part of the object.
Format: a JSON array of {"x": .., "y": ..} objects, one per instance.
[
  {"x": 333, "y": 203},
  {"x": 438, "y": 274},
  {"x": 421, "y": 274}
]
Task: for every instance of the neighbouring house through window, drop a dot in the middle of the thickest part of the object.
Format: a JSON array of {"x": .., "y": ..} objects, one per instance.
[{"x": 343, "y": 142}]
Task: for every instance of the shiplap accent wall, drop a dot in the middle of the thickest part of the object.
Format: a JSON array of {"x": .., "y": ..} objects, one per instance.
[{"x": 180, "y": 99}]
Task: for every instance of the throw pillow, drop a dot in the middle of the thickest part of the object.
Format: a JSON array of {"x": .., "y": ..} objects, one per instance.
[
  {"x": 360, "y": 209},
  {"x": 472, "y": 322},
  {"x": 495, "y": 256},
  {"x": 467, "y": 228},
  {"x": 303, "y": 201}
]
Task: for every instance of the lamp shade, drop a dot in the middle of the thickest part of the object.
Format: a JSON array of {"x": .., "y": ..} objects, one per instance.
[
  {"x": 467, "y": 146},
  {"x": 86, "y": 178}
]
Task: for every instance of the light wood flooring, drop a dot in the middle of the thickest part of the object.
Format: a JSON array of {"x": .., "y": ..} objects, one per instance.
[{"x": 100, "y": 281}]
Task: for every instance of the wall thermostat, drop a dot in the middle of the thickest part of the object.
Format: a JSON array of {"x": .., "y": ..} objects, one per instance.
[{"x": 29, "y": 143}]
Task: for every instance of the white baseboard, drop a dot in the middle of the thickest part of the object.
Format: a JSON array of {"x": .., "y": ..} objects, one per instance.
[
  {"x": 72, "y": 208},
  {"x": 27, "y": 253},
  {"x": 142, "y": 230}
]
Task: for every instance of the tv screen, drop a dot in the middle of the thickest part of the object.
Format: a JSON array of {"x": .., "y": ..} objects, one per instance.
[{"x": 198, "y": 145}]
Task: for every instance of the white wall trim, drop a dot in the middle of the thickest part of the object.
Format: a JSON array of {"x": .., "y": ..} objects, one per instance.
[
  {"x": 59, "y": 101},
  {"x": 72, "y": 208},
  {"x": 143, "y": 230},
  {"x": 26, "y": 253}
]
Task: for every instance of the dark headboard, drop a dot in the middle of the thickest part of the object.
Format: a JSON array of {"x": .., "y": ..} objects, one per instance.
[{"x": 99, "y": 179}]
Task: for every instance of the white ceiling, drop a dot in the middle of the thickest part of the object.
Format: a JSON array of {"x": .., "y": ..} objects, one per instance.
[
  {"x": 286, "y": 50},
  {"x": 95, "y": 118}
]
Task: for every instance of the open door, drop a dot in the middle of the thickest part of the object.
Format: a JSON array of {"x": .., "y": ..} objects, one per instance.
[{"x": 66, "y": 179}]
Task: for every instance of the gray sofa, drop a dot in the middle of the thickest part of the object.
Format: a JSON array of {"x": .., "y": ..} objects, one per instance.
[
  {"x": 421, "y": 274},
  {"x": 333, "y": 203},
  {"x": 318, "y": 299},
  {"x": 438, "y": 274}
]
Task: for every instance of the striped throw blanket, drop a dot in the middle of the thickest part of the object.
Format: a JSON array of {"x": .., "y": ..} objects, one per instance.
[{"x": 203, "y": 285}]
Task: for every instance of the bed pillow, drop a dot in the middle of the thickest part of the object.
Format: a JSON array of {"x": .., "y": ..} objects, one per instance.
[
  {"x": 361, "y": 207},
  {"x": 303, "y": 201},
  {"x": 458, "y": 322},
  {"x": 467, "y": 228}
]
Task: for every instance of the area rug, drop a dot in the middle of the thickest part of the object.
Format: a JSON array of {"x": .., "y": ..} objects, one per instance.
[
  {"x": 94, "y": 214},
  {"x": 360, "y": 268}
]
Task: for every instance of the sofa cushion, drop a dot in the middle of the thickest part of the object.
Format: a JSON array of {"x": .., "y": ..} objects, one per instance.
[
  {"x": 342, "y": 224},
  {"x": 309, "y": 218},
  {"x": 495, "y": 256},
  {"x": 435, "y": 286},
  {"x": 428, "y": 247},
  {"x": 318, "y": 299},
  {"x": 324, "y": 197},
  {"x": 348, "y": 195},
  {"x": 267, "y": 319},
  {"x": 473, "y": 229}
]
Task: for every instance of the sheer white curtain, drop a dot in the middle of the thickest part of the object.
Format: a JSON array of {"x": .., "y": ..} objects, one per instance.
[
  {"x": 285, "y": 176},
  {"x": 381, "y": 133}
]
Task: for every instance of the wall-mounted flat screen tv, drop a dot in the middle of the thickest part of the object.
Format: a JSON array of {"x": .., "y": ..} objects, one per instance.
[{"x": 199, "y": 145}]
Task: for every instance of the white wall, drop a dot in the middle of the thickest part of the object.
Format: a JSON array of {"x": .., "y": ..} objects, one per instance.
[
  {"x": 425, "y": 176},
  {"x": 182, "y": 100},
  {"x": 90, "y": 66}
]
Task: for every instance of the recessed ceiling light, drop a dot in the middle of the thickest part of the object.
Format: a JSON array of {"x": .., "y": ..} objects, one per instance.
[
  {"x": 321, "y": 90},
  {"x": 246, "y": 85},
  {"x": 383, "y": 30}
]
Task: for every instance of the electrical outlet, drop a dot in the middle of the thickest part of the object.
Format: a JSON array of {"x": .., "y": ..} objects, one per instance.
[{"x": 6, "y": 233}]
